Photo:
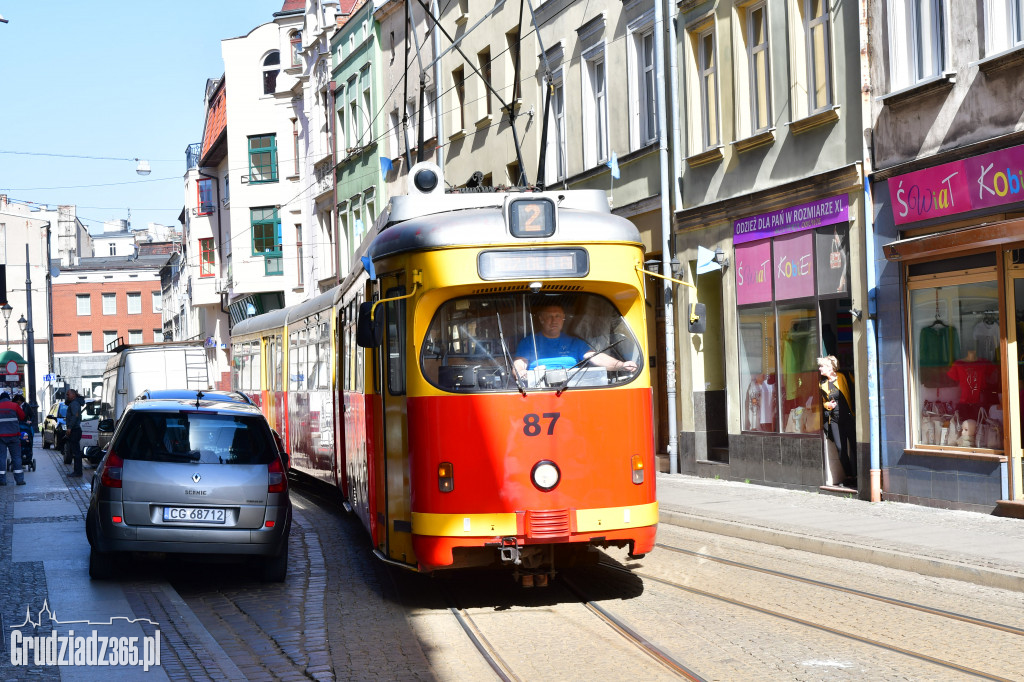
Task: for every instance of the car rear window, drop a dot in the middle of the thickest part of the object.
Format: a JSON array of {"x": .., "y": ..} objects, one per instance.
[{"x": 196, "y": 437}]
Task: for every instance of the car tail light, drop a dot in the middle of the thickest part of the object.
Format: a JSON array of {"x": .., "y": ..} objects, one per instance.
[
  {"x": 277, "y": 481},
  {"x": 112, "y": 471},
  {"x": 638, "y": 469},
  {"x": 445, "y": 477}
]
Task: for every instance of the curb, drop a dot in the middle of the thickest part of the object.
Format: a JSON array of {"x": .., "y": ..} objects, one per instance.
[{"x": 937, "y": 568}]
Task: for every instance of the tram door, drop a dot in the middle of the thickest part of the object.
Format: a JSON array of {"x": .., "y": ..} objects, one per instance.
[{"x": 393, "y": 392}]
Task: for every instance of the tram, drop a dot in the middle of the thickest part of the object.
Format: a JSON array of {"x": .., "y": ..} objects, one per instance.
[{"x": 478, "y": 389}]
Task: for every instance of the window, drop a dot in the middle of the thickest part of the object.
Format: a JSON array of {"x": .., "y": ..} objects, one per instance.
[
  {"x": 484, "y": 60},
  {"x": 355, "y": 121},
  {"x": 271, "y": 67},
  {"x": 459, "y": 109},
  {"x": 109, "y": 337},
  {"x": 595, "y": 109},
  {"x": 82, "y": 302},
  {"x": 263, "y": 158},
  {"x": 298, "y": 254},
  {"x": 466, "y": 345},
  {"x": 367, "y": 109},
  {"x": 1004, "y": 25},
  {"x": 917, "y": 40},
  {"x": 644, "y": 94},
  {"x": 84, "y": 342},
  {"x": 708, "y": 67},
  {"x": 205, "y": 196},
  {"x": 429, "y": 129},
  {"x": 954, "y": 328},
  {"x": 135, "y": 336},
  {"x": 295, "y": 145},
  {"x": 512, "y": 40},
  {"x": 757, "y": 60},
  {"x": 819, "y": 54},
  {"x": 207, "y": 260},
  {"x": 393, "y": 140},
  {"x": 395, "y": 317},
  {"x": 113, "y": 248},
  {"x": 296, "y": 45},
  {"x": 410, "y": 118},
  {"x": 158, "y": 302},
  {"x": 266, "y": 232},
  {"x": 158, "y": 335},
  {"x": 227, "y": 193},
  {"x": 110, "y": 304},
  {"x": 134, "y": 303},
  {"x": 555, "y": 163}
]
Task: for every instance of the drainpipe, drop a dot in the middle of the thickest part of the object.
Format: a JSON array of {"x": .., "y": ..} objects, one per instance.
[
  {"x": 666, "y": 239},
  {"x": 673, "y": 84},
  {"x": 870, "y": 321}
]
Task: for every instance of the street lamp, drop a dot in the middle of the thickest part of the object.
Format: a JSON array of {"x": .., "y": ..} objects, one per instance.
[
  {"x": 7, "y": 310},
  {"x": 143, "y": 167},
  {"x": 22, "y": 325}
]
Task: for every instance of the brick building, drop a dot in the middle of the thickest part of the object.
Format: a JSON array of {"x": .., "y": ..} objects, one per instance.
[{"x": 97, "y": 302}]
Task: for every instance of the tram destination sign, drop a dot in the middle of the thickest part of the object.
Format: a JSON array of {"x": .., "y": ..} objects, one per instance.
[{"x": 540, "y": 263}]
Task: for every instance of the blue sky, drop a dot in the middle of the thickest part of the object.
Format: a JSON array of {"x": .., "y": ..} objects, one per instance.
[{"x": 109, "y": 79}]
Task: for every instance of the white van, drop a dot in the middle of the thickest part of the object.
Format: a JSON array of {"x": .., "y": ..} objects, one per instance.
[{"x": 154, "y": 366}]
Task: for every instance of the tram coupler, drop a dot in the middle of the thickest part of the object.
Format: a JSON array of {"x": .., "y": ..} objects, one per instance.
[{"x": 509, "y": 550}]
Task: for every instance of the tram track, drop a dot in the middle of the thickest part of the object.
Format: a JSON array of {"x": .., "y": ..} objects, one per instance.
[
  {"x": 845, "y": 633},
  {"x": 506, "y": 672}
]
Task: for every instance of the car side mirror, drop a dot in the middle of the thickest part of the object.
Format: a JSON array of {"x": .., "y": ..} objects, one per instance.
[
  {"x": 105, "y": 425},
  {"x": 369, "y": 333}
]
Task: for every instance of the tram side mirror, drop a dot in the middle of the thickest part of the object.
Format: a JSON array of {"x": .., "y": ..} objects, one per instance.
[
  {"x": 369, "y": 333},
  {"x": 698, "y": 318}
]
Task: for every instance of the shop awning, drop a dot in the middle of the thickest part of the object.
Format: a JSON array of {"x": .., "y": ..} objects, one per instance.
[
  {"x": 9, "y": 355},
  {"x": 956, "y": 242}
]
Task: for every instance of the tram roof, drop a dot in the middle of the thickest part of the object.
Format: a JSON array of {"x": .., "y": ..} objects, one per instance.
[
  {"x": 314, "y": 305},
  {"x": 259, "y": 323},
  {"x": 420, "y": 223}
]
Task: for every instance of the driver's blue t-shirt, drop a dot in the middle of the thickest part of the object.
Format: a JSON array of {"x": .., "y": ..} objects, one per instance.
[{"x": 553, "y": 353}]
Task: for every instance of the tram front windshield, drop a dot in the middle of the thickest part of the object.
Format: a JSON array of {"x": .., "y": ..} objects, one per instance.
[{"x": 525, "y": 341}]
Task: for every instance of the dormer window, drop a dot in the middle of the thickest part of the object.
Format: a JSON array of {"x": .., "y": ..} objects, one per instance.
[{"x": 271, "y": 67}]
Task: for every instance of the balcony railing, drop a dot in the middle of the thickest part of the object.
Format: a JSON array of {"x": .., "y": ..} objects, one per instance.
[
  {"x": 324, "y": 177},
  {"x": 192, "y": 154}
]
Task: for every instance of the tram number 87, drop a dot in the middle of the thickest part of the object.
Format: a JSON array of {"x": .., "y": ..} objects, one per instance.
[{"x": 532, "y": 426}]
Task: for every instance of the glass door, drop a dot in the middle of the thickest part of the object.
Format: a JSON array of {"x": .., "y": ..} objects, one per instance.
[{"x": 1015, "y": 351}]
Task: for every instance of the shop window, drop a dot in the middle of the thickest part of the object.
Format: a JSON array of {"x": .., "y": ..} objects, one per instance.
[
  {"x": 955, "y": 342},
  {"x": 758, "y": 374},
  {"x": 798, "y": 379}
]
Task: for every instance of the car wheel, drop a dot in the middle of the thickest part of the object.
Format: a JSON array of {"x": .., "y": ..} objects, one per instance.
[
  {"x": 101, "y": 565},
  {"x": 275, "y": 568}
]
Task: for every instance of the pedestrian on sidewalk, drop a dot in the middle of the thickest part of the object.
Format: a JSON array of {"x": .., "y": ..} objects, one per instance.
[
  {"x": 838, "y": 418},
  {"x": 10, "y": 438},
  {"x": 73, "y": 423}
]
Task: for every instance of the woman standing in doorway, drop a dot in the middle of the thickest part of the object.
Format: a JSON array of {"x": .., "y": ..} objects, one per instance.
[{"x": 838, "y": 418}]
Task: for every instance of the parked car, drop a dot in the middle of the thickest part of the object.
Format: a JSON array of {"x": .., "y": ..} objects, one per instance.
[
  {"x": 54, "y": 432},
  {"x": 191, "y": 476}
]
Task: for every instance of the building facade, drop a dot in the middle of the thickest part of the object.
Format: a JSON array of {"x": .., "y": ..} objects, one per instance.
[
  {"x": 948, "y": 157},
  {"x": 769, "y": 130}
]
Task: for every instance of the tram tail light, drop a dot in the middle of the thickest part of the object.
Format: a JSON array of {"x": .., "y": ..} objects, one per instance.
[
  {"x": 445, "y": 477},
  {"x": 638, "y": 469}
]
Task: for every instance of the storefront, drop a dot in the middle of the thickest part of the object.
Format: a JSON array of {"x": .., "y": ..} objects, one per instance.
[
  {"x": 793, "y": 301},
  {"x": 956, "y": 253}
]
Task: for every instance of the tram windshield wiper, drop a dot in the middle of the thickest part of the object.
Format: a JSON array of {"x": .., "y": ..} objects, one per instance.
[
  {"x": 509, "y": 362},
  {"x": 575, "y": 369}
]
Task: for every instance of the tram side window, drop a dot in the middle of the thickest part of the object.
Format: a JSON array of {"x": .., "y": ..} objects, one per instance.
[
  {"x": 395, "y": 316},
  {"x": 473, "y": 342}
]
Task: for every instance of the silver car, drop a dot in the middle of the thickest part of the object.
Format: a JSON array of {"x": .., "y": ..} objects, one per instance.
[{"x": 191, "y": 476}]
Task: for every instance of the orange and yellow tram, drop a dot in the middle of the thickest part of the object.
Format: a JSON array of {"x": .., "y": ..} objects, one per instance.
[{"x": 479, "y": 391}]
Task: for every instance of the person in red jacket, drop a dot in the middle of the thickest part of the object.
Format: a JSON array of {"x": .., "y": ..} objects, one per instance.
[{"x": 10, "y": 438}]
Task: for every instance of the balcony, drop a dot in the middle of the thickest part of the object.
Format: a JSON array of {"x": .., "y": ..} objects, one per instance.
[
  {"x": 192, "y": 155},
  {"x": 324, "y": 173}
]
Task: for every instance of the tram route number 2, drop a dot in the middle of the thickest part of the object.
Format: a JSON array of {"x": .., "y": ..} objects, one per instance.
[{"x": 532, "y": 423}]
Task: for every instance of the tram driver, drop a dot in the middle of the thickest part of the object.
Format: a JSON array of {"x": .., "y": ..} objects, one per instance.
[{"x": 551, "y": 349}]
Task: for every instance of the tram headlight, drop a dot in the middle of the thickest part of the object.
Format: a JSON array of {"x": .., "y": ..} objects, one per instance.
[{"x": 545, "y": 475}]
